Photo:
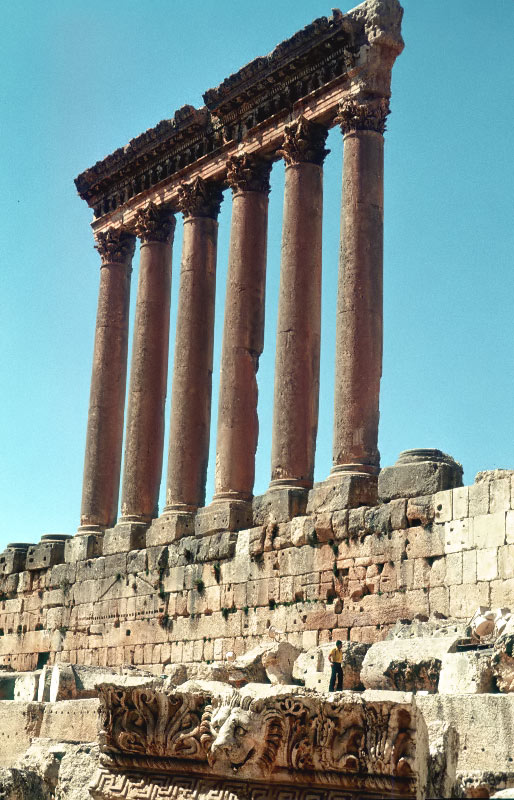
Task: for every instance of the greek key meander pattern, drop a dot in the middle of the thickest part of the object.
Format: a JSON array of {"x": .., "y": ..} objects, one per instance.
[{"x": 137, "y": 786}]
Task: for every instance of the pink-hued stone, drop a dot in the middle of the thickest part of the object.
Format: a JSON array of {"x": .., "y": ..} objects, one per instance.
[{"x": 107, "y": 398}]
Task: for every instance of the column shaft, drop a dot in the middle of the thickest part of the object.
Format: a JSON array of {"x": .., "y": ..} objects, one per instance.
[
  {"x": 243, "y": 333},
  {"x": 359, "y": 308},
  {"x": 144, "y": 437},
  {"x": 107, "y": 398},
  {"x": 192, "y": 376},
  {"x": 295, "y": 417}
]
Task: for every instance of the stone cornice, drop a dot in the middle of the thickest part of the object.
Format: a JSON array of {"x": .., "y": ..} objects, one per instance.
[{"x": 308, "y": 73}]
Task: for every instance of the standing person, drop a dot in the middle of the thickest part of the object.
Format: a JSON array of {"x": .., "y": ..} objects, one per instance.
[{"x": 336, "y": 659}]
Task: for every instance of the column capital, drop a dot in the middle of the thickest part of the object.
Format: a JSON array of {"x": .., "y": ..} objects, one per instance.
[
  {"x": 200, "y": 198},
  {"x": 115, "y": 245},
  {"x": 246, "y": 173},
  {"x": 363, "y": 115},
  {"x": 154, "y": 224},
  {"x": 304, "y": 143}
]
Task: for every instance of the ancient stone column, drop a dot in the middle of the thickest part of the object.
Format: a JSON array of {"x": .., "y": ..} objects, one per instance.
[
  {"x": 295, "y": 417},
  {"x": 144, "y": 436},
  {"x": 243, "y": 333},
  {"x": 359, "y": 305},
  {"x": 192, "y": 377},
  {"x": 107, "y": 399}
]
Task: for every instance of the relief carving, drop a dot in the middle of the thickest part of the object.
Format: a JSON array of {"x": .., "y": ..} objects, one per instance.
[
  {"x": 369, "y": 115},
  {"x": 304, "y": 142},
  {"x": 200, "y": 198},
  {"x": 116, "y": 246},
  {"x": 248, "y": 174},
  {"x": 154, "y": 224}
]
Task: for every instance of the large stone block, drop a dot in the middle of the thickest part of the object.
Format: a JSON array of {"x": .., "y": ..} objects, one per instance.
[
  {"x": 13, "y": 558},
  {"x": 83, "y": 546},
  {"x": 344, "y": 490},
  {"x": 313, "y": 668},
  {"x": 170, "y": 528},
  {"x": 406, "y": 664},
  {"x": 19, "y": 723},
  {"x": 419, "y": 472},
  {"x": 223, "y": 515},
  {"x": 279, "y": 505},
  {"x": 469, "y": 672},
  {"x": 48, "y": 552},
  {"x": 124, "y": 537}
]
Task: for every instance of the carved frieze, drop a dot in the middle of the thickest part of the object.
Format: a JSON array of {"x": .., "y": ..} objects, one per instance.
[
  {"x": 323, "y": 740},
  {"x": 248, "y": 174},
  {"x": 304, "y": 142},
  {"x": 200, "y": 198},
  {"x": 367, "y": 115},
  {"x": 116, "y": 246},
  {"x": 154, "y": 224}
]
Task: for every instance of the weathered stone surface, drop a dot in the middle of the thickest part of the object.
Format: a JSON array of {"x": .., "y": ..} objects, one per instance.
[
  {"x": 419, "y": 472},
  {"x": 19, "y": 722},
  {"x": 82, "y": 547},
  {"x": 406, "y": 664},
  {"x": 223, "y": 515},
  {"x": 313, "y": 668},
  {"x": 21, "y": 784},
  {"x": 73, "y": 681},
  {"x": 279, "y": 505},
  {"x": 503, "y": 660},
  {"x": 469, "y": 672},
  {"x": 344, "y": 490},
  {"x": 70, "y": 720},
  {"x": 278, "y": 661},
  {"x": 125, "y": 536}
]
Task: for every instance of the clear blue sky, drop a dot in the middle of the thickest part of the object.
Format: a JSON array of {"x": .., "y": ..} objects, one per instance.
[{"x": 80, "y": 78}]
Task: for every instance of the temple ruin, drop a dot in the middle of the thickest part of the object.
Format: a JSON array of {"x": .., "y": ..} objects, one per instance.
[{"x": 198, "y": 634}]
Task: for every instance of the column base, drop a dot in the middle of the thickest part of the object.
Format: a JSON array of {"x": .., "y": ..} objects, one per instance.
[
  {"x": 343, "y": 489},
  {"x": 124, "y": 537},
  {"x": 170, "y": 527},
  {"x": 224, "y": 515},
  {"x": 85, "y": 544},
  {"x": 279, "y": 504}
]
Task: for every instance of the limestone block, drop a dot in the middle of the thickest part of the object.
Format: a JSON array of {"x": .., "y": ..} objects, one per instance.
[
  {"x": 465, "y": 598},
  {"x": 419, "y": 472},
  {"x": 406, "y": 664},
  {"x": 19, "y": 722},
  {"x": 170, "y": 528},
  {"x": 278, "y": 661},
  {"x": 125, "y": 536},
  {"x": 487, "y": 564},
  {"x": 458, "y": 535},
  {"x": 503, "y": 660},
  {"x": 425, "y": 542},
  {"x": 69, "y": 682},
  {"x": 22, "y": 784},
  {"x": 478, "y": 498},
  {"x": 489, "y": 530},
  {"x": 223, "y": 515},
  {"x": 344, "y": 490},
  {"x": 499, "y": 494},
  {"x": 279, "y": 505},
  {"x": 313, "y": 668},
  {"x": 506, "y": 561},
  {"x": 453, "y": 569},
  {"x": 70, "y": 721},
  {"x": 26, "y": 686},
  {"x": 509, "y": 526},
  {"x": 45, "y": 554},
  {"x": 302, "y": 530},
  {"x": 444, "y": 753},
  {"x": 443, "y": 506},
  {"x": 13, "y": 558},
  {"x": 83, "y": 546},
  {"x": 460, "y": 502},
  {"x": 420, "y": 510},
  {"x": 43, "y": 690},
  {"x": 469, "y": 672}
]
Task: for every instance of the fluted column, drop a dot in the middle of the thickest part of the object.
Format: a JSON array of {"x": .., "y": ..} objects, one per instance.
[
  {"x": 192, "y": 377},
  {"x": 359, "y": 305},
  {"x": 107, "y": 398},
  {"x": 295, "y": 417},
  {"x": 243, "y": 332},
  {"x": 144, "y": 436}
]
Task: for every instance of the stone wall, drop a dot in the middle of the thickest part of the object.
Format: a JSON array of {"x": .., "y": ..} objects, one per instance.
[{"x": 347, "y": 574}]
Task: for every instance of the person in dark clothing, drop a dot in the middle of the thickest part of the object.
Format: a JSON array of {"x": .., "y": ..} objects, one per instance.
[{"x": 336, "y": 659}]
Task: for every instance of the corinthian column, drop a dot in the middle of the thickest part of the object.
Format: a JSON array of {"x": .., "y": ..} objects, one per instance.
[
  {"x": 107, "y": 399},
  {"x": 359, "y": 305},
  {"x": 144, "y": 437},
  {"x": 295, "y": 417},
  {"x": 192, "y": 377},
  {"x": 243, "y": 333}
]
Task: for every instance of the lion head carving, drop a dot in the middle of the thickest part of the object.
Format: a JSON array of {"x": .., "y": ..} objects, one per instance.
[{"x": 242, "y": 733}]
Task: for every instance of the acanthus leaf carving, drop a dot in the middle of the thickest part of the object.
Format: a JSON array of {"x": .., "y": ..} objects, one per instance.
[
  {"x": 367, "y": 115},
  {"x": 154, "y": 224},
  {"x": 116, "y": 245},
  {"x": 200, "y": 198},
  {"x": 248, "y": 174},
  {"x": 304, "y": 142}
]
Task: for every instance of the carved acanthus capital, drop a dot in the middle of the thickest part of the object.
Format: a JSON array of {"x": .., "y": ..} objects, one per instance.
[
  {"x": 200, "y": 198},
  {"x": 116, "y": 245},
  {"x": 369, "y": 115},
  {"x": 248, "y": 174},
  {"x": 304, "y": 142},
  {"x": 154, "y": 224}
]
